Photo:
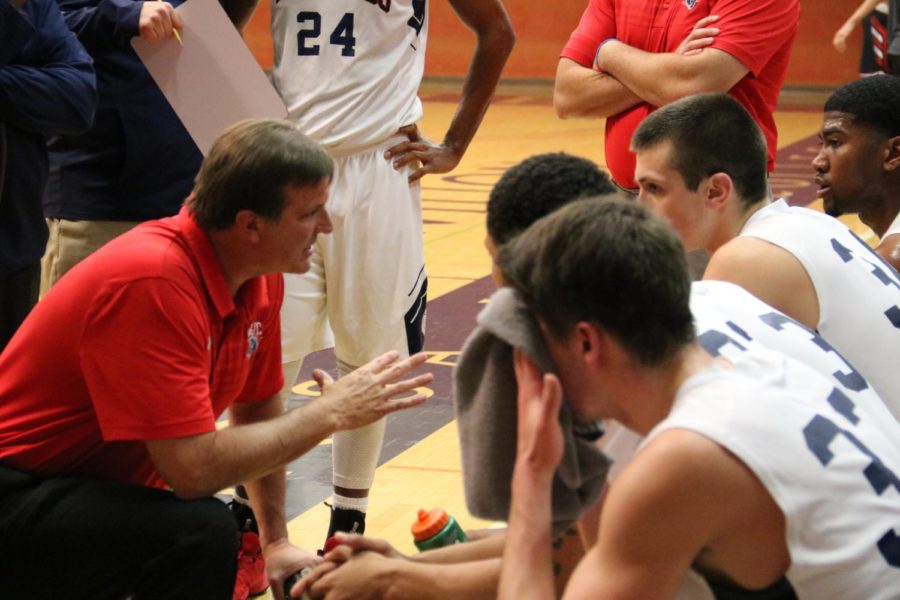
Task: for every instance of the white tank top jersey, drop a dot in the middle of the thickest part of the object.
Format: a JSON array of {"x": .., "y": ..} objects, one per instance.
[
  {"x": 730, "y": 320},
  {"x": 858, "y": 292},
  {"x": 826, "y": 464},
  {"x": 349, "y": 70}
]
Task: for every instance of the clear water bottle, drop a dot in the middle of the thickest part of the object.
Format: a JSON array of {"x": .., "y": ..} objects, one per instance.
[{"x": 435, "y": 528}]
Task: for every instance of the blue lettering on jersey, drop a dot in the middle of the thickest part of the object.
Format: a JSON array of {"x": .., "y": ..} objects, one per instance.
[
  {"x": 882, "y": 271},
  {"x": 418, "y": 19},
  {"x": 819, "y": 433},
  {"x": 384, "y": 5},
  {"x": 850, "y": 379}
]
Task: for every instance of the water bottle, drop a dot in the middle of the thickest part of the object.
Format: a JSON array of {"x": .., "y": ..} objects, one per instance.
[{"x": 435, "y": 528}]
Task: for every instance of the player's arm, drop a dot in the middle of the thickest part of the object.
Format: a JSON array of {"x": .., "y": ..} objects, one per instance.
[
  {"x": 663, "y": 78},
  {"x": 889, "y": 250},
  {"x": 527, "y": 570},
  {"x": 348, "y": 573},
  {"x": 580, "y": 91},
  {"x": 781, "y": 282},
  {"x": 664, "y": 509},
  {"x": 494, "y": 42},
  {"x": 840, "y": 36}
]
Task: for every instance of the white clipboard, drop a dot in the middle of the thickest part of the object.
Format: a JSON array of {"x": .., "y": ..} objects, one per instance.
[{"x": 213, "y": 80}]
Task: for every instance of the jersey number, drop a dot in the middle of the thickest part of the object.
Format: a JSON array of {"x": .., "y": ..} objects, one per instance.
[
  {"x": 311, "y": 30},
  {"x": 821, "y": 432},
  {"x": 879, "y": 268}
]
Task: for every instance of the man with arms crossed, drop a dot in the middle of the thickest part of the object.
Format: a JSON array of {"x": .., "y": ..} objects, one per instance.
[
  {"x": 802, "y": 505},
  {"x": 701, "y": 163},
  {"x": 349, "y": 72},
  {"x": 858, "y": 164},
  {"x": 627, "y": 57},
  {"x": 110, "y": 392}
]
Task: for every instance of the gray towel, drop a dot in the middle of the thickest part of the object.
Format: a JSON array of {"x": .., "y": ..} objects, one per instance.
[{"x": 485, "y": 396}]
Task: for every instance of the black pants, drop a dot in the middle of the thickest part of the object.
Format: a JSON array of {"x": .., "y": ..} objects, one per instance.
[
  {"x": 93, "y": 540},
  {"x": 18, "y": 295}
]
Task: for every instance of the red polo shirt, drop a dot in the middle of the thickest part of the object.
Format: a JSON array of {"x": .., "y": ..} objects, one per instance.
[
  {"x": 758, "y": 33},
  {"x": 140, "y": 341}
]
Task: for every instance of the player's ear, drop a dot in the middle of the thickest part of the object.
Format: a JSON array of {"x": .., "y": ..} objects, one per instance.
[
  {"x": 892, "y": 161},
  {"x": 589, "y": 339},
  {"x": 719, "y": 189}
]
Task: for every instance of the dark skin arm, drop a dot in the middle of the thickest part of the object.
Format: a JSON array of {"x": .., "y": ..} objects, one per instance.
[{"x": 489, "y": 21}]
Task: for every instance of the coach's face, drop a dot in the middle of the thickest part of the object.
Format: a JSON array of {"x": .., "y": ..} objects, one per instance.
[
  {"x": 288, "y": 241},
  {"x": 663, "y": 190}
]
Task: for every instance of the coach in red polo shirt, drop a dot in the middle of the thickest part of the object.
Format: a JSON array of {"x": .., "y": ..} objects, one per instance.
[
  {"x": 627, "y": 57},
  {"x": 110, "y": 391}
]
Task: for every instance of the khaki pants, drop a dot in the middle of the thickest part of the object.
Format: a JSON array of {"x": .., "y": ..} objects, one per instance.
[{"x": 70, "y": 242}]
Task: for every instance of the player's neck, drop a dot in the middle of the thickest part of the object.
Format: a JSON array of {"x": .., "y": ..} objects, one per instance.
[
  {"x": 880, "y": 214},
  {"x": 658, "y": 386},
  {"x": 733, "y": 223}
]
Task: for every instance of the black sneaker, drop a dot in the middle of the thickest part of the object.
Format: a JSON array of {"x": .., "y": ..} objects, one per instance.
[
  {"x": 347, "y": 520},
  {"x": 243, "y": 513}
]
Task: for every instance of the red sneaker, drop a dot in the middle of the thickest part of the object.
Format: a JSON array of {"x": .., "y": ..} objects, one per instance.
[{"x": 251, "y": 573}]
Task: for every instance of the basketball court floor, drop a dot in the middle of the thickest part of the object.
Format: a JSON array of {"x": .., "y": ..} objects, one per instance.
[{"x": 420, "y": 464}]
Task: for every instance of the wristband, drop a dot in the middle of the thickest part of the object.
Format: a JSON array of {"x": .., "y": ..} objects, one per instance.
[{"x": 597, "y": 54}]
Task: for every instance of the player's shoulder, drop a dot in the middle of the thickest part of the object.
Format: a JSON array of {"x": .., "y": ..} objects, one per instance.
[{"x": 748, "y": 256}]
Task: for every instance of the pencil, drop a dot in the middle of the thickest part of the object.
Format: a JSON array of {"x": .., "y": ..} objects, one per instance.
[{"x": 177, "y": 35}]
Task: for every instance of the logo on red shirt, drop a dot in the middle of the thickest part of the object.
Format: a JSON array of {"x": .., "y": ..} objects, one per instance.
[
  {"x": 254, "y": 334},
  {"x": 690, "y": 4}
]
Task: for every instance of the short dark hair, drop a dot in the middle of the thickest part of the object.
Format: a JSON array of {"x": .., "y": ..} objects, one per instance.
[
  {"x": 610, "y": 262},
  {"x": 873, "y": 102},
  {"x": 248, "y": 168},
  {"x": 536, "y": 187},
  {"x": 710, "y": 133}
]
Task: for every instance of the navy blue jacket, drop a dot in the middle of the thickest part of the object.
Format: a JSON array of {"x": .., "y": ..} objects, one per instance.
[
  {"x": 137, "y": 162},
  {"x": 47, "y": 87}
]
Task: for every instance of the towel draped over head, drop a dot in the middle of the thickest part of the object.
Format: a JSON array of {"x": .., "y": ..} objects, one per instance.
[{"x": 485, "y": 396}]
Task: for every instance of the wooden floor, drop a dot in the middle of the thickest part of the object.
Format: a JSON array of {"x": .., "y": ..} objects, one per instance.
[{"x": 421, "y": 465}]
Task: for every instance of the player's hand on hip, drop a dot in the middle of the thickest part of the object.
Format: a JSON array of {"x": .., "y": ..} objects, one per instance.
[
  {"x": 373, "y": 390},
  {"x": 701, "y": 36},
  {"x": 419, "y": 150},
  {"x": 158, "y": 21}
]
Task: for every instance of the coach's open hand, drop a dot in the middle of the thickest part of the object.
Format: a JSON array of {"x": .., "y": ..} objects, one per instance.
[{"x": 371, "y": 391}]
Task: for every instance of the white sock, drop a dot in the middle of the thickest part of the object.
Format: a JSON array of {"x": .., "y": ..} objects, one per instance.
[{"x": 360, "y": 504}]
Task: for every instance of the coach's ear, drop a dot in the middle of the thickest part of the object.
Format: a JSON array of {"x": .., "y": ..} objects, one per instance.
[
  {"x": 719, "y": 189},
  {"x": 892, "y": 162},
  {"x": 247, "y": 225}
]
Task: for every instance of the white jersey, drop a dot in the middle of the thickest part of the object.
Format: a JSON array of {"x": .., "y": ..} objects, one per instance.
[
  {"x": 858, "y": 292},
  {"x": 729, "y": 320},
  {"x": 349, "y": 70},
  {"x": 826, "y": 464}
]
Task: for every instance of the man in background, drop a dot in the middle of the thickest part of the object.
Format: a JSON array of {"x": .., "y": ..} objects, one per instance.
[{"x": 47, "y": 87}]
